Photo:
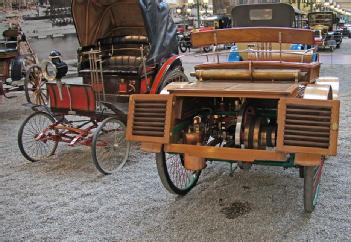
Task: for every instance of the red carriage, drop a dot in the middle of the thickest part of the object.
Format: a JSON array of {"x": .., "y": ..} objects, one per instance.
[{"x": 127, "y": 47}]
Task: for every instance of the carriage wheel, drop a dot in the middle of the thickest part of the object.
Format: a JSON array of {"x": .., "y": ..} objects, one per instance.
[
  {"x": 34, "y": 86},
  {"x": 175, "y": 75},
  {"x": 312, "y": 176},
  {"x": 110, "y": 150},
  {"x": 31, "y": 146},
  {"x": 174, "y": 177}
]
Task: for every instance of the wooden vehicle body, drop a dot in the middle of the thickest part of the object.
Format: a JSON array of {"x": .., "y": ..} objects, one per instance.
[
  {"x": 127, "y": 47},
  {"x": 271, "y": 108}
]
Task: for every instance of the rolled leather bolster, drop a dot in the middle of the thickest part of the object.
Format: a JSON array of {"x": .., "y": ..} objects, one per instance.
[
  {"x": 244, "y": 74},
  {"x": 288, "y": 57}
]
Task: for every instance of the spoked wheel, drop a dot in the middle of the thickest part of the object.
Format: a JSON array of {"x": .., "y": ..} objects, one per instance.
[
  {"x": 312, "y": 176},
  {"x": 35, "y": 138},
  {"x": 110, "y": 150},
  {"x": 34, "y": 86},
  {"x": 174, "y": 177},
  {"x": 183, "y": 47},
  {"x": 175, "y": 75}
]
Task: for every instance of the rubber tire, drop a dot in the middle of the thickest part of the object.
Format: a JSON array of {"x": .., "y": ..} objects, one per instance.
[
  {"x": 309, "y": 197},
  {"x": 166, "y": 180},
  {"x": 16, "y": 69},
  {"x": 207, "y": 49},
  {"x": 20, "y": 133},
  {"x": 167, "y": 79},
  {"x": 93, "y": 147},
  {"x": 301, "y": 172},
  {"x": 182, "y": 47}
]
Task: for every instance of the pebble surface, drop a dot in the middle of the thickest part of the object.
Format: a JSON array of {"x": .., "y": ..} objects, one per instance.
[{"x": 65, "y": 198}]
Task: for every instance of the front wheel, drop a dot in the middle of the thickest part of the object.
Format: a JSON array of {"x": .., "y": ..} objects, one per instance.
[
  {"x": 110, "y": 150},
  {"x": 207, "y": 49},
  {"x": 312, "y": 176},
  {"x": 36, "y": 139},
  {"x": 174, "y": 177},
  {"x": 183, "y": 47},
  {"x": 35, "y": 86}
]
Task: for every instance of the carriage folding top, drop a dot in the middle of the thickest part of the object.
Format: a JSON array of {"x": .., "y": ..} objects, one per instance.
[{"x": 104, "y": 19}]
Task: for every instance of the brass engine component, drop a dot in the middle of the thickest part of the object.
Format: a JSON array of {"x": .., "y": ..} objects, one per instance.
[
  {"x": 319, "y": 92},
  {"x": 194, "y": 163},
  {"x": 195, "y": 138},
  {"x": 192, "y": 138},
  {"x": 333, "y": 82}
]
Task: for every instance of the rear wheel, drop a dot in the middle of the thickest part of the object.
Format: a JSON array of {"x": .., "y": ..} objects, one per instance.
[
  {"x": 36, "y": 138},
  {"x": 34, "y": 86},
  {"x": 174, "y": 177},
  {"x": 110, "y": 150},
  {"x": 175, "y": 75},
  {"x": 312, "y": 176}
]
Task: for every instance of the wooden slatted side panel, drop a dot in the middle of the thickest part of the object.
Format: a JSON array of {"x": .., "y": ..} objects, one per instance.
[
  {"x": 308, "y": 126},
  {"x": 253, "y": 35},
  {"x": 149, "y": 118}
]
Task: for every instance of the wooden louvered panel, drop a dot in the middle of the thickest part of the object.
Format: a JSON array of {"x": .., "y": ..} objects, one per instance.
[
  {"x": 308, "y": 126},
  {"x": 149, "y": 118}
]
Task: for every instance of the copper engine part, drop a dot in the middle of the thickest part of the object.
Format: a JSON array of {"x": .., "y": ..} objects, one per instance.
[{"x": 194, "y": 137}]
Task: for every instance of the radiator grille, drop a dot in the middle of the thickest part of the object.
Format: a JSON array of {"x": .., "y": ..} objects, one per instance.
[
  {"x": 149, "y": 118},
  {"x": 307, "y": 126}
]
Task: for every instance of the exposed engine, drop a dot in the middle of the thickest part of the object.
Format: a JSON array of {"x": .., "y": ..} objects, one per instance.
[{"x": 239, "y": 123}]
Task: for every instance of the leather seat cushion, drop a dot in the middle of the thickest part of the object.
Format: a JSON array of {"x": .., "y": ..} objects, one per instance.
[
  {"x": 129, "y": 39},
  {"x": 123, "y": 63}
]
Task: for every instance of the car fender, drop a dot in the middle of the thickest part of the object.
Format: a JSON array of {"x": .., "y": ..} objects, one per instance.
[{"x": 162, "y": 71}]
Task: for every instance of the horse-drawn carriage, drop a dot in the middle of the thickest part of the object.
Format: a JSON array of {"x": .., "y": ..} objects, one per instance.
[
  {"x": 268, "y": 108},
  {"x": 127, "y": 47},
  {"x": 17, "y": 59}
]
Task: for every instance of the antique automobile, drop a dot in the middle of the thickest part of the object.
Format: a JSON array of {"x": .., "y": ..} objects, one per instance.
[
  {"x": 266, "y": 15},
  {"x": 270, "y": 108},
  {"x": 326, "y": 22},
  {"x": 184, "y": 41},
  {"x": 208, "y": 23},
  {"x": 120, "y": 55}
]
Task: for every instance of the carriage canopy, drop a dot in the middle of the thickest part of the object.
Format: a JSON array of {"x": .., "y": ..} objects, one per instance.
[{"x": 98, "y": 19}]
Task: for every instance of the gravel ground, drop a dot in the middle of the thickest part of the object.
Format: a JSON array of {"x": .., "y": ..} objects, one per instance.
[{"x": 65, "y": 198}]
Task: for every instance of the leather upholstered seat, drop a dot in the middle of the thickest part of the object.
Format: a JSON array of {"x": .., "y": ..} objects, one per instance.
[{"x": 123, "y": 63}]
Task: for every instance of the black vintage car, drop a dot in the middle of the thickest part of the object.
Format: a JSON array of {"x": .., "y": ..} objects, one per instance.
[{"x": 326, "y": 22}]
